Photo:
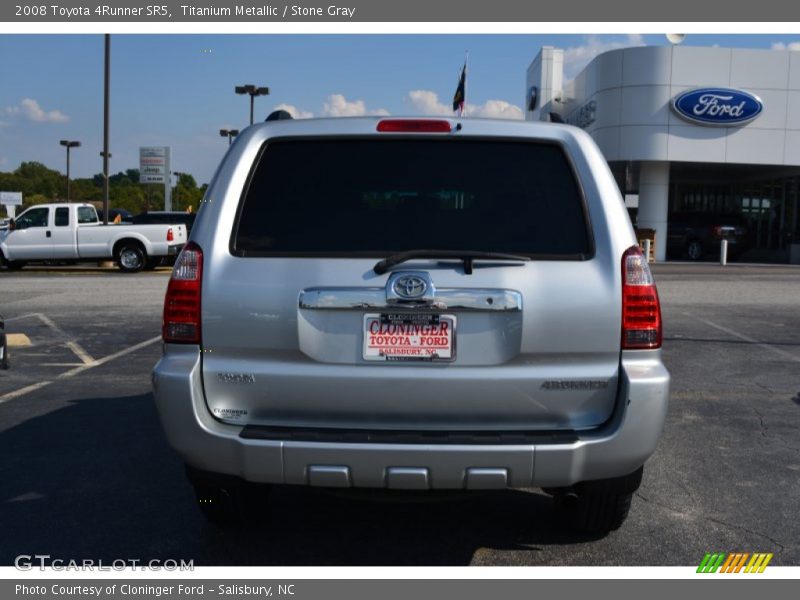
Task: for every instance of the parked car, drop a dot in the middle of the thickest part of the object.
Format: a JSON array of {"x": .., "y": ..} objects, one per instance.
[
  {"x": 694, "y": 235},
  {"x": 3, "y": 345},
  {"x": 125, "y": 216},
  {"x": 71, "y": 233},
  {"x": 165, "y": 217},
  {"x": 413, "y": 304}
]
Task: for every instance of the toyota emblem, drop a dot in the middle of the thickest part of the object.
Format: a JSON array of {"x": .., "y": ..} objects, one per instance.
[{"x": 410, "y": 286}]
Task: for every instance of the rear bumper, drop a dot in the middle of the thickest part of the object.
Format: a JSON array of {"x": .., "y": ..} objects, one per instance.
[
  {"x": 618, "y": 448},
  {"x": 174, "y": 249}
]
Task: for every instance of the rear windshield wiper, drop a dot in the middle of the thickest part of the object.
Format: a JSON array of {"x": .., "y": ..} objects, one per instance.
[{"x": 468, "y": 256}]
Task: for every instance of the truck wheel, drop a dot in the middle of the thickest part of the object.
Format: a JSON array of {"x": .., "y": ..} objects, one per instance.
[
  {"x": 694, "y": 250},
  {"x": 597, "y": 507},
  {"x": 15, "y": 265},
  {"x": 131, "y": 257}
]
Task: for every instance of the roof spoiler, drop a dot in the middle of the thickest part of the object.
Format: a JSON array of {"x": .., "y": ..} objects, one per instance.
[{"x": 278, "y": 115}]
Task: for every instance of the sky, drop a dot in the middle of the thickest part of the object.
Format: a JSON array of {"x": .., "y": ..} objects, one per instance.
[{"x": 178, "y": 90}]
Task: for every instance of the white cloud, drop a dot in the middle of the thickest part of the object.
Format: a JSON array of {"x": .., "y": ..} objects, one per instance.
[
  {"x": 495, "y": 109},
  {"x": 338, "y": 106},
  {"x": 577, "y": 57},
  {"x": 29, "y": 109},
  {"x": 790, "y": 46},
  {"x": 426, "y": 102},
  {"x": 296, "y": 113}
]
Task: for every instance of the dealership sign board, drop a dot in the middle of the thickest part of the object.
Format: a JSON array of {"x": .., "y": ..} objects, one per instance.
[
  {"x": 11, "y": 198},
  {"x": 154, "y": 164},
  {"x": 723, "y": 107}
]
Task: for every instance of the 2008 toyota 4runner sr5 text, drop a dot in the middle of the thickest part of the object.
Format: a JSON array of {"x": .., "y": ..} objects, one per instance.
[{"x": 413, "y": 304}]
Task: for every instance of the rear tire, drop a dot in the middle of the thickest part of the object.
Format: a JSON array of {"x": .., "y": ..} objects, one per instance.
[
  {"x": 229, "y": 501},
  {"x": 694, "y": 250},
  {"x": 131, "y": 257},
  {"x": 597, "y": 507}
]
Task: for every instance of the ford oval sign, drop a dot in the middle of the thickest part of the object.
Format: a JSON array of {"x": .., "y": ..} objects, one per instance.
[{"x": 718, "y": 106}]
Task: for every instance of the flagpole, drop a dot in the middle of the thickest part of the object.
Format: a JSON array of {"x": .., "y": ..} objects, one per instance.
[{"x": 466, "y": 72}]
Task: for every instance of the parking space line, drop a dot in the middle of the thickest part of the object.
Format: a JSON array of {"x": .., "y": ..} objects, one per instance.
[
  {"x": 23, "y": 391},
  {"x": 79, "y": 369},
  {"x": 741, "y": 336},
  {"x": 110, "y": 357},
  {"x": 76, "y": 348},
  {"x": 21, "y": 317},
  {"x": 80, "y": 352},
  {"x": 50, "y": 323}
]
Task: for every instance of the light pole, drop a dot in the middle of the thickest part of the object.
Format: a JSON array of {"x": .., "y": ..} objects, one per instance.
[
  {"x": 106, "y": 111},
  {"x": 231, "y": 133},
  {"x": 104, "y": 211},
  {"x": 69, "y": 144},
  {"x": 253, "y": 91},
  {"x": 178, "y": 176}
]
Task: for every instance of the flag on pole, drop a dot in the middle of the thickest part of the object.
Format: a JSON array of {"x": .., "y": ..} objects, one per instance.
[{"x": 459, "y": 99}]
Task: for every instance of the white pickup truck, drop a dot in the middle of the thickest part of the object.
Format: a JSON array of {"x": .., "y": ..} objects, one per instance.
[{"x": 71, "y": 233}]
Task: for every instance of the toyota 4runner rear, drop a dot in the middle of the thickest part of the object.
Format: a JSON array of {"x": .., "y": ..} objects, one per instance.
[{"x": 413, "y": 304}]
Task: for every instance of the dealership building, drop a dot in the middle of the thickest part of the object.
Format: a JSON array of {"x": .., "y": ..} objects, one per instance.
[{"x": 689, "y": 130}]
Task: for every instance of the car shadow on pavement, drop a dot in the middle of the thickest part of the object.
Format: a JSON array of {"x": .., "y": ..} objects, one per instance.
[{"x": 96, "y": 479}]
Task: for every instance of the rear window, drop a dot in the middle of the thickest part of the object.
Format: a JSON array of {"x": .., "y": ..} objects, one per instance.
[
  {"x": 86, "y": 214},
  {"x": 374, "y": 197}
]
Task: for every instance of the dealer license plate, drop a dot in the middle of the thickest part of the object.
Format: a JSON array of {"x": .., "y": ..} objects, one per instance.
[{"x": 409, "y": 337}]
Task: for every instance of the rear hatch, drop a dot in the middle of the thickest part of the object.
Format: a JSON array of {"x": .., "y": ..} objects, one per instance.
[{"x": 300, "y": 330}]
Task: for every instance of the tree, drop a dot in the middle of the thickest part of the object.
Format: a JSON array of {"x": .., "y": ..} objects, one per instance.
[{"x": 39, "y": 184}]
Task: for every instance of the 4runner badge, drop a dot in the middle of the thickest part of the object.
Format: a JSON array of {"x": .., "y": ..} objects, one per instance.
[
  {"x": 236, "y": 377},
  {"x": 574, "y": 385}
]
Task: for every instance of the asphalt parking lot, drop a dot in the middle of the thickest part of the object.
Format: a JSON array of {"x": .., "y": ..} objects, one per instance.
[{"x": 86, "y": 471}]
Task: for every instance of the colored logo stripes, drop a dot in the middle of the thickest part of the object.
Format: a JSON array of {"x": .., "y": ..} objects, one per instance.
[{"x": 734, "y": 562}]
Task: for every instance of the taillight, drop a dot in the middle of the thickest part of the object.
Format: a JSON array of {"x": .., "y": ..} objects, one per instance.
[
  {"x": 181, "y": 323},
  {"x": 170, "y": 235},
  {"x": 641, "y": 311},
  {"x": 414, "y": 126}
]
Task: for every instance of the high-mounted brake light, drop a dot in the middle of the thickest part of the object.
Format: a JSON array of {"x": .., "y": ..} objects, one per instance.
[
  {"x": 641, "y": 310},
  {"x": 414, "y": 126},
  {"x": 181, "y": 322},
  {"x": 170, "y": 235}
]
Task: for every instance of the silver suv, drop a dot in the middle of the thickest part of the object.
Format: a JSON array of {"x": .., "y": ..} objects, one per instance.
[{"x": 413, "y": 304}]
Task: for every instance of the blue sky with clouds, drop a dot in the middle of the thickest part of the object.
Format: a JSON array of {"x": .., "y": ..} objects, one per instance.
[{"x": 177, "y": 90}]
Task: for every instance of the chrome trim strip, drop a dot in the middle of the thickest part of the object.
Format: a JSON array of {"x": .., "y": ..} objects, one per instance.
[{"x": 467, "y": 299}]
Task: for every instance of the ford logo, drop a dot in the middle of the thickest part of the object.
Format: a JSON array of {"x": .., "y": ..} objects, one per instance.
[
  {"x": 410, "y": 286},
  {"x": 717, "y": 106}
]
